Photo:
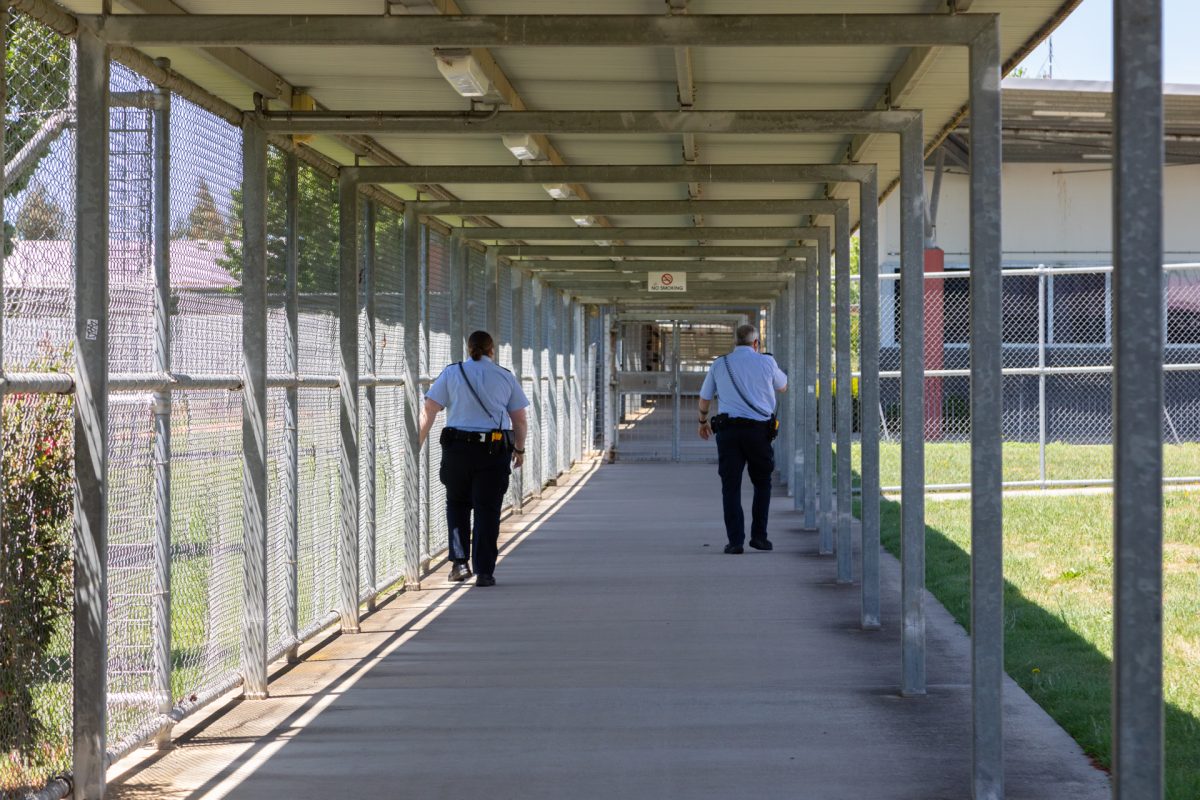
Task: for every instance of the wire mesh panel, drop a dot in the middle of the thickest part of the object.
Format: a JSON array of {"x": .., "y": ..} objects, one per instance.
[
  {"x": 530, "y": 361},
  {"x": 438, "y": 320},
  {"x": 389, "y": 400},
  {"x": 476, "y": 319},
  {"x": 505, "y": 332},
  {"x": 546, "y": 412}
]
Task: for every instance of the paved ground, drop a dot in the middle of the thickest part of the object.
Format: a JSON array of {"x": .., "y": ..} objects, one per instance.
[{"x": 622, "y": 655}]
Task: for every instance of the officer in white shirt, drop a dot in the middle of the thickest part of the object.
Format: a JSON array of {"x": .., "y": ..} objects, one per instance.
[
  {"x": 746, "y": 382},
  {"x": 485, "y": 433}
]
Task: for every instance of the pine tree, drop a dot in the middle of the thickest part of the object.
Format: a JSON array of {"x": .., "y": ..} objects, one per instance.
[
  {"x": 205, "y": 220},
  {"x": 40, "y": 217}
]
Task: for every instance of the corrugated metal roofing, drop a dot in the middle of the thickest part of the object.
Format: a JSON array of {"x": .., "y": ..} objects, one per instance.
[{"x": 561, "y": 78}]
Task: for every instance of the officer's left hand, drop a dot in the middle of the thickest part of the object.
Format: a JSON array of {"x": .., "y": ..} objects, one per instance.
[{"x": 705, "y": 431}]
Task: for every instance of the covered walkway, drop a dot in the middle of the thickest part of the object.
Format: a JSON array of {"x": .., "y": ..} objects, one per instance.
[{"x": 621, "y": 656}]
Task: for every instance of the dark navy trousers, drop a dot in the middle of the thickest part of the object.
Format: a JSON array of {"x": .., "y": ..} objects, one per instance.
[
  {"x": 475, "y": 480},
  {"x": 745, "y": 448}
]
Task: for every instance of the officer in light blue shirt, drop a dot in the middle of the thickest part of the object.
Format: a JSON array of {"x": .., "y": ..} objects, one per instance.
[
  {"x": 746, "y": 382},
  {"x": 483, "y": 438}
]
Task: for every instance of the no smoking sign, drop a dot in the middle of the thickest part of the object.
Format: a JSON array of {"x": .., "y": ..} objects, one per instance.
[{"x": 667, "y": 281}]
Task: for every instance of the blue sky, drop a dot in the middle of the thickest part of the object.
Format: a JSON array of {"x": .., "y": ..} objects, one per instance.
[{"x": 1083, "y": 44}]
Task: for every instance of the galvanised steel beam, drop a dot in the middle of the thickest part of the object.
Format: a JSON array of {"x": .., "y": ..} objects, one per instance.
[
  {"x": 869, "y": 400},
  {"x": 291, "y": 419},
  {"x": 90, "y": 630},
  {"x": 824, "y": 462},
  {"x": 348, "y": 553},
  {"x": 605, "y": 267},
  {"x": 369, "y": 474},
  {"x": 584, "y": 30},
  {"x": 740, "y": 233},
  {"x": 411, "y": 245},
  {"x": 543, "y": 251},
  {"x": 435, "y": 123},
  {"x": 1138, "y": 737},
  {"x": 844, "y": 411},
  {"x": 560, "y": 278},
  {"x": 607, "y": 173},
  {"x": 629, "y": 208}
]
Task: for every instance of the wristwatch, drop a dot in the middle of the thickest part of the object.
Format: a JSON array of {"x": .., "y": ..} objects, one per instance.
[{"x": 518, "y": 452}]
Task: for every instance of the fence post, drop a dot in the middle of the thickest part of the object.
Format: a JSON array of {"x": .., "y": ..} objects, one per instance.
[
  {"x": 291, "y": 475},
  {"x": 491, "y": 271},
  {"x": 162, "y": 406},
  {"x": 798, "y": 386},
  {"x": 676, "y": 405},
  {"x": 254, "y": 408},
  {"x": 367, "y": 546},
  {"x": 868, "y": 398},
  {"x": 845, "y": 415},
  {"x": 90, "y": 660},
  {"x": 458, "y": 295},
  {"x": 1137, "y": 399},
  {"x": 535, "y": 368},
  {"x": 1043, "y": 286},
  {"x": 411, "y": 232},
  {"x": 825, "y": 392},
  {"x": 815, "y": 263},
  {"x": 518, "y": 364},
  {"x": 348, "y": 554},
  {"x": 912, "y": 402}
]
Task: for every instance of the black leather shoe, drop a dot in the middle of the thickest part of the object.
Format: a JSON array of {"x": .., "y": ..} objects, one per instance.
[
  {"x": 734, "y": 549},
  {"x": 762, "y": 544},
  {"x": 485, "y": 580},
  {"x": 459, "y": 572}
]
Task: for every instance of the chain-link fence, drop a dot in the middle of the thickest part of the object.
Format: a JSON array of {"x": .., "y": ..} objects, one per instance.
[
  {"x": 1057, "y": 384},
  {"x": 177, "y": 562}
]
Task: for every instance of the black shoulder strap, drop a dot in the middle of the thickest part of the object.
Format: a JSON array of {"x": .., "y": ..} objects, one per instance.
[
  {"x": 478, "y": 399},
  {"x": 738, "y": 389}
]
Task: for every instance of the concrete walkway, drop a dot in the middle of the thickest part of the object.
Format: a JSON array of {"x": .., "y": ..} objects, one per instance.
[{"x": 622, "y": 655}]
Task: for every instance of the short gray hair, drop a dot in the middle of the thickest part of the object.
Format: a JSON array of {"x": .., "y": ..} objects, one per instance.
[{"x": 747, "y": 335}]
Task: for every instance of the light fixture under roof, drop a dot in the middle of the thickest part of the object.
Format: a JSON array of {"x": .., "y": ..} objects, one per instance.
[
  {"x": 524, "y": 147},
  {"x": 584, "y": 220},
  {"x": 559, "y": 191},
  {"x": 463, "y": 72},
  {"x": 1070, "y": 114}
]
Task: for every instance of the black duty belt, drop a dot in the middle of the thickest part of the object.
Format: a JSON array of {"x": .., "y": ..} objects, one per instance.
[
  {"x": 475, "y": 437},
  {"x": 722, "y": 422}
]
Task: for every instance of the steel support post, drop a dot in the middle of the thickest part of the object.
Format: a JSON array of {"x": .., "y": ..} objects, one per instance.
[
  {"x": 411, "y": 232},
  {"x": 811, "y": 458},
  {"x": 1043, "y": 286},
  {"x": 538, "y": 473},
  {"x": 90, "y": 640},
  {"x": 348, "y": 233},
  {"x": 369, "y": 449},
  {"x": 161, "y": 611},
  {"x": 676, "y": 405},
  {"x": 608, "y": 385},
  {"x": 797, "y": 388},
  {"x": 912, "y": 403},
  {"x": 868, "y": 397},
  {"x": 1138, "y": 738},
  {"x": 291, "y": 475},
  {"x": 825, "y": 398},
  {"x": 254, "y": 410},
  {"x": 516, "y": 286},
  {"x": 458, "y": 295},
  {"x": 492, "y": 277},
  {"x": 987, "y": 411},
  {"x": 845, "y": 411}
]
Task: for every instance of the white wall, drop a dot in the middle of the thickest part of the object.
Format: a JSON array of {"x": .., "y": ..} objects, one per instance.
[{"x": 1053, "y": 213}]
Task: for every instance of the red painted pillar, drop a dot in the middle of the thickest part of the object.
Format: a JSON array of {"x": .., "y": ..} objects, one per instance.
[{"x": 935, "y": 261}]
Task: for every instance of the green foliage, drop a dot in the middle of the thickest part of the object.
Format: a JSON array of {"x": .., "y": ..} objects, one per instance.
[
  {"x": 35, "y": 561},
  {"x": 38, "y": 72},
  {"x": 205, "y": 221},
  {"x": 316, "y": 269},
  {"x": 40, "y": 217}
]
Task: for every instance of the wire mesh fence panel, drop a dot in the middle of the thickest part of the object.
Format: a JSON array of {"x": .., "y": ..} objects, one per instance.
[
  {"x": 477, "y": 292},
  {"x": 546, "y": 411},
  {"x": 389, "y": 401},
  {"x": 504, "y": 348},
  {"x": 206, "y": 539},
  {"x": 438, "y": 320},
  {"x": 529, "y": 370},
  {"x": 278, "y": 533},
  {"x": 320, "y": 452}
]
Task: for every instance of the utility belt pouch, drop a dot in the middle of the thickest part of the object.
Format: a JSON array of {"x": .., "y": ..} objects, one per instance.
[{"x": 719, "y": 422}]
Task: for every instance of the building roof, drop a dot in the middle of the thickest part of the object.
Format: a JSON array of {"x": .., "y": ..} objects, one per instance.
[{"x": 49, "y": 264}]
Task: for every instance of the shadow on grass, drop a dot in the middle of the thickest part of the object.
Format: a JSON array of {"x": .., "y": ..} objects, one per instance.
[{"x": 1060, "y": 669}]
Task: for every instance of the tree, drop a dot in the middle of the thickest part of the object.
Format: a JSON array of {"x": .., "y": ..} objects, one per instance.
[
  {"x": 205, "y": 221},
  {"x": 316, "y": 269},
  {"x": 40, "y": 217},
  {"x": 38, "y": 73}
]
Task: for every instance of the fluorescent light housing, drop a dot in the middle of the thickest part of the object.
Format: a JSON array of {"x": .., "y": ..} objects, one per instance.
[
  {"x": 1069, "y": 114},
  {"x": 559, "y": 191},
  {"x": 524, "y": 147},
  {"x": 463, "y": 72},
  {"x": 607, "y": 243},
  {"x": 584, "y": 220}
]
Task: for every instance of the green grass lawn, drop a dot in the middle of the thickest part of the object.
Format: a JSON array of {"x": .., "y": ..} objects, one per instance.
[
  {"x": 950, "y": 462},
  {"x": 1058, "y": 610}
]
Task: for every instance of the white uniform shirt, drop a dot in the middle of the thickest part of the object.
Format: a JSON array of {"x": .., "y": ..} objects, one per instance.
[
  {"x": 758, "y": 376},
  {"x": 497, "y": 388}
]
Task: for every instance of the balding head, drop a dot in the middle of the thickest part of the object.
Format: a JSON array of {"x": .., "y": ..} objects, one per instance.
[{"x": 747, "y": 335}]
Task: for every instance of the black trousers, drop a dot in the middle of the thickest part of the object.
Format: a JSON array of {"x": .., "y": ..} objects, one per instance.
[
  {"x": 475, "y": 480},
  {"x": 739, "y": 449}
]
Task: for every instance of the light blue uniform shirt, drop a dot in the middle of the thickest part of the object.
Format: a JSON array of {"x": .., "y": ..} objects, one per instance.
[
  {"x": 758, "y": 376},
  {"x": 497, "y": 388}
]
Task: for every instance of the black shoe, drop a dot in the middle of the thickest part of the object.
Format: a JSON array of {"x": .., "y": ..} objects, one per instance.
[
  {"x": 459, "y": 572},
  {"x": 734, "y": 549},
  {"x": 762, "y": 544},
  {"x": 485, "y": 580}
]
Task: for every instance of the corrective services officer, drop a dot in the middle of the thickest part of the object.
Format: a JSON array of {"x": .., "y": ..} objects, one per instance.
[
  {"x": 484, "y": 434},
  {"x": 746, "y": 381}
]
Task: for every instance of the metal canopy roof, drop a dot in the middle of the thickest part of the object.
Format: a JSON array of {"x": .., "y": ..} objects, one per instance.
[{"x": 592, "y": 77}]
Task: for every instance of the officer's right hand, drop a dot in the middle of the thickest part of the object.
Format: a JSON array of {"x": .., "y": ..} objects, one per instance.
[
  {"x": 705, "y": 431},
  {"x": 518, "y": 459}
]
